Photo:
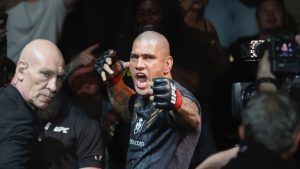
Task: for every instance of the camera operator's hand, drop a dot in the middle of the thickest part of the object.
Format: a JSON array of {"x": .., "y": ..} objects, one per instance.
[
  {"x": 264, "y": 67},
  {"x": 110, "y": 67},
  {"x": 165, "y": 95},
  {"x": 84, "y": 58}
]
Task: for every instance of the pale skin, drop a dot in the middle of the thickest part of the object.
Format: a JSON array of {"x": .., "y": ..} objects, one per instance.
[
  {"x": 150, "y": 58},
  {"x": 219, "y": 160},
  {"x": 39, "y": 73}
]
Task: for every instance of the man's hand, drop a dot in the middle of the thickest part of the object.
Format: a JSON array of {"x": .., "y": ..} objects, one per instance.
[
  {"x": 110, "y": 67},
  {"x": 165, "y": 94},
  {"x": 85, "y": 57},
  {"x": 263, "y": 73},
  {"x": 264, "y": 67}
]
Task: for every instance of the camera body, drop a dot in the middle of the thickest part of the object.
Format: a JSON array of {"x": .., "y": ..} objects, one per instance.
[
  {"x": 241, "y": 92},
  {"x": 284, "y": 53},
  {"x": 285, "y": 62}
]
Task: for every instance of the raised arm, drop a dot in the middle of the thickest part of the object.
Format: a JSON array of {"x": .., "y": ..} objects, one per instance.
[
  {"x": 188, "y": 114},
  {"x": 119, "y": 93}
]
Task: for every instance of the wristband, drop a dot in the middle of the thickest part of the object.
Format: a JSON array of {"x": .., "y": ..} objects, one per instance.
[
  {"x": 178, "y": 100},
  {"x": 113, "y": 81}
]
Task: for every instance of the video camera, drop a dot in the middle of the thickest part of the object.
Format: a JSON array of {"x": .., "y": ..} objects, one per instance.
[
  {"x": 285, "y": 62},
  {"x": 284, "y": 53}
]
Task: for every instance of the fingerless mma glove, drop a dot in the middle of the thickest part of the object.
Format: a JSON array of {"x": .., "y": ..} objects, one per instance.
[
  {"x": 116, "y": 66},
  {"x": 166, "y": 96}
]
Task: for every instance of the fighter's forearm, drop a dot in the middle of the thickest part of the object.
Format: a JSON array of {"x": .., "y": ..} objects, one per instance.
[
  {"x": 188, "y": 114},
  {"x": 119, "y": 96}
]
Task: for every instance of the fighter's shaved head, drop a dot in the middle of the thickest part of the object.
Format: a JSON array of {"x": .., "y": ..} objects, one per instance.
[
  {"x": 150, "y": 58},
  {"x": 156, "y": 37}
]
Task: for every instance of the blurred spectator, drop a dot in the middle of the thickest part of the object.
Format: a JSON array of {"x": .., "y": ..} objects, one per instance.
[
  {"x": 70, "y": 139},
  {"x": 85, "y": 85},
  {"x": 232, "y": 19},
  {"x": 87, "y": 91},
  {"x": 272, "y": 18},
  {"x": 32, "y": 19},
  {"x": 270, "y": 133},
  {"x": 193, "y": 16}
]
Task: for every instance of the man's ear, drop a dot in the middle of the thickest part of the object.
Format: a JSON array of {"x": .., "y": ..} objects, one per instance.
[
  {"x": 168, "y": 64},
  {"x": 21, "y": 68},
  {"x": 241, "y": 132}
]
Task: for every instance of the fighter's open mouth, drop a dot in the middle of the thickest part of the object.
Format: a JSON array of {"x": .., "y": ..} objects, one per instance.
[{"x": 141, "y": 77}]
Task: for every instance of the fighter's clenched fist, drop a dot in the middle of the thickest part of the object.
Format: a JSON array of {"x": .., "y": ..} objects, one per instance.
[{"x": 165, "y": 94}]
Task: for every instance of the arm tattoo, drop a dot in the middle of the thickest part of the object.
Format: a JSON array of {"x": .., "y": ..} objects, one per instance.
[
  {"x": 119, "y": 100},
  {"x": 189, "y": 114}
]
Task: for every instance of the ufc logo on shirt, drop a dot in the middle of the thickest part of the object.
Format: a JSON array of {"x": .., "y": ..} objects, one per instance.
[{"x": 61, "y": 129}]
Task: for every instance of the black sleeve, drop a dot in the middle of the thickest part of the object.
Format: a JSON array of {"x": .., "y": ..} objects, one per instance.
[
  {"x": 89, "y": 143},
  {"x": 171, "y": 118},
  {"x": 185, "y": 93},
  {"x": 16, "y": 139}
]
